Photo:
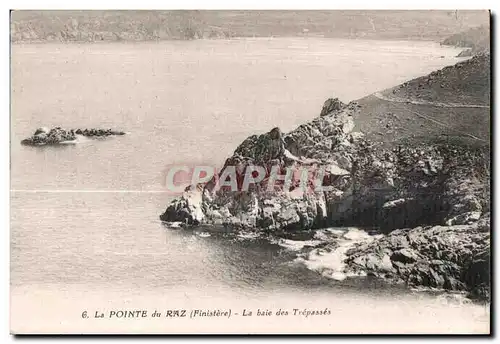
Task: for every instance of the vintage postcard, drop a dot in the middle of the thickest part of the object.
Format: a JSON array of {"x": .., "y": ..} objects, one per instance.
[{"x": 250, "y": 172}]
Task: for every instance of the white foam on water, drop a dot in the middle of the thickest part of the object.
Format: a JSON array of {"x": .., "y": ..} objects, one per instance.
[{"x": 331, "y": 264}]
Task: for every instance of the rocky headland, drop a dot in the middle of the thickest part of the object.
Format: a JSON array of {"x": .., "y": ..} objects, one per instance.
[
  {"x": 411, "y": 163},
  {"x": 55, "y": 136},
  {"x": 29, "y": 26}
]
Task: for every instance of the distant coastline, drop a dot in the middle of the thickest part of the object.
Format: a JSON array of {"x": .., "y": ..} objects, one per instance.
[{"x": 138, "y": 26}]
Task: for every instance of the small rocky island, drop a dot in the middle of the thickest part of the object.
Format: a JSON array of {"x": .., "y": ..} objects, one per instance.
[
  {"x": 416, "y": 170},
  {"x": 57, "y": 135}
]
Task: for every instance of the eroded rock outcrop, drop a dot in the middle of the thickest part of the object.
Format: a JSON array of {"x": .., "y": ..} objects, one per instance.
[
  {"x": 57, "y": 135},
  {"x": 454, "y": 258},
  {"x": 430, "y": 199}
]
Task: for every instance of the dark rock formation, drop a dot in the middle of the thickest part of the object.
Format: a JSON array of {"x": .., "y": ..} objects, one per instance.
[
  {"x": 57, "y": 135},
  {"x": 86, "y": 26}
]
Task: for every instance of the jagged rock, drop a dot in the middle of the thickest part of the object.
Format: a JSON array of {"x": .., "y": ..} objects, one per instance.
[
  {"x": 187, "y": 209},
  {"x": 483, "y": 225},
  {"x": 42, "y": 130},
  {"x": 331, "y": 105},
  {"x": 428, "y": 198},
  {"x": 450, "y": 257},
  {"x": 464, "y": 218}
]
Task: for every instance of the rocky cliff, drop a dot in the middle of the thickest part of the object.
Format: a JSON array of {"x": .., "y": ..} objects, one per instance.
[
  {"x": 403, "y": 186},
  {"x": 429, "y": 195},
  {"x": 452, "y": 103},
  {"x": 145, "y": 25}
]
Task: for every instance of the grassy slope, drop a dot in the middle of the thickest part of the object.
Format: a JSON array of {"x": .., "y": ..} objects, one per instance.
[
  {"x": 467, "y": 82},
  {"x": 29, "y": 26}
]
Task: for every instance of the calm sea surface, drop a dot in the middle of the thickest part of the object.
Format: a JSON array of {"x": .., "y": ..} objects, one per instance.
[{"x": 85, "y": 233}]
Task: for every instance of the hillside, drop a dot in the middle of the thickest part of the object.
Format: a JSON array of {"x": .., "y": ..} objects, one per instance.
[
  {"x": 449, "y": 103},
  {"x": 476, "y": 39},
  {"x": 85, "y": 26}
]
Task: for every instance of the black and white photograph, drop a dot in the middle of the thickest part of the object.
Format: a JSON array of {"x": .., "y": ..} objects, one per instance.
[{"x": 250, "y": 171}]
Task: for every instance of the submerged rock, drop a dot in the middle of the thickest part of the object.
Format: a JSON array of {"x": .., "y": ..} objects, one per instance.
[{"x": 57, "y": 135}]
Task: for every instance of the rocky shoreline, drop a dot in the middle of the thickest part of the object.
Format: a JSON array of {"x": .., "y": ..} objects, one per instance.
[
  {"x": 55, "y": 136},
  {"x": 429, "y": 199}
]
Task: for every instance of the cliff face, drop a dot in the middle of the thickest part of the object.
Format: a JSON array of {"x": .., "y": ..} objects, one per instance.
[
  {"x": 369, "y": 185},
  {"x": 277, "y": 209},
  {"x": 437, "y": 182}
]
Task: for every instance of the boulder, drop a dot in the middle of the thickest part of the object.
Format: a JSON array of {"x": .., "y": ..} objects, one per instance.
[{"x": 375, "y": 263}]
